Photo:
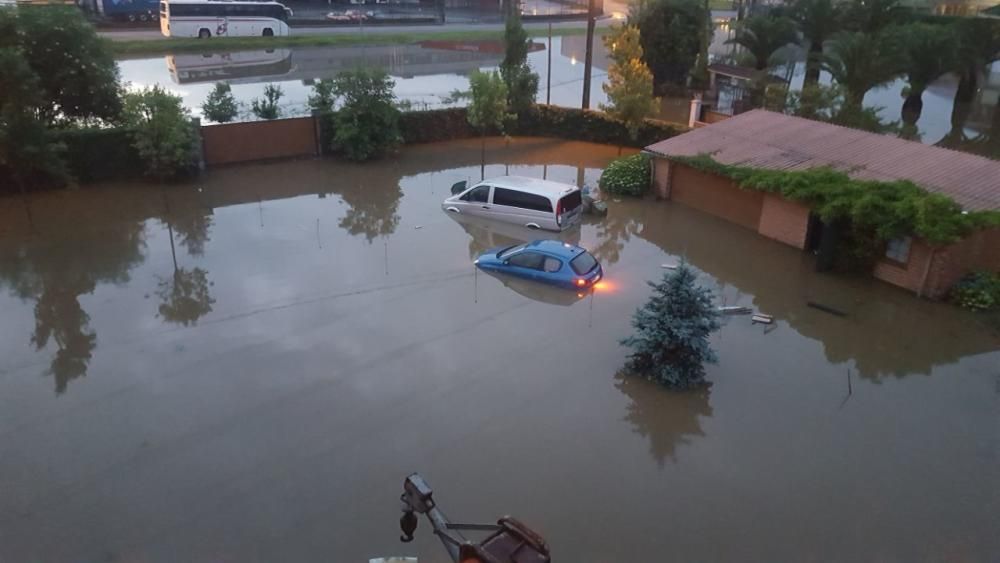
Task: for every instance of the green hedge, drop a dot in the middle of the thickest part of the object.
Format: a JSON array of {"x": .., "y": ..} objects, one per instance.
[
  {"x": 93, "y": 155},
  {"x": 543, "y": 121}
]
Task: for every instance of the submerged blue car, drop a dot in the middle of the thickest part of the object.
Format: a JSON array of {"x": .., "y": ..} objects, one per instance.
[{"x": 547, "y": 261}]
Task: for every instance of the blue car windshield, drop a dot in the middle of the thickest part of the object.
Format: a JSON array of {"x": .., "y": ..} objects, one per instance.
[{"x": 508, "y": 251}]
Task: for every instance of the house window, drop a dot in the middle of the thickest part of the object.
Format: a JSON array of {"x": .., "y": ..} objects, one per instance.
[{"x": 898, "y": 249}]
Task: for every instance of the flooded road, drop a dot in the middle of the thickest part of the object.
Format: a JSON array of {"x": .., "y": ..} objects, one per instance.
[{"x": 246, "y": 368}]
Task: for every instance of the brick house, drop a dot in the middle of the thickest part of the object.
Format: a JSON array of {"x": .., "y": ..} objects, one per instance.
[{"x": 764, "y": 139}]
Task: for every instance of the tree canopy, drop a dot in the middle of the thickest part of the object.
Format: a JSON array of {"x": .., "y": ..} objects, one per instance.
[
  {"x": 521, "y": 81},
  {"x": 367, "y": 124},
  {"x": 672, "y": 32},
  {"x": 761, "y": 36},
  {"x": 630, "y": 83}
]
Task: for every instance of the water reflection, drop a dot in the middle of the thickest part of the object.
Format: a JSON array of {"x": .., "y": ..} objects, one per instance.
[
  {"x": 669, "y": 419},
  {"x": 372, "y": 202},
  {"x": 540, "y": 292},
  {"x": 184, "y": 296},
  {"x": 58, "y": 268},
  {"x": 485, "y": 234}
]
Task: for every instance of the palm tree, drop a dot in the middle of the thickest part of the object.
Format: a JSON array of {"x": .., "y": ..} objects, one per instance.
[
  {"x": 859, "y": 62},
  {"x": 763, "y": 35},
  {"x": 818, "y": 20},
  {"x": 931, "y": 51},
  {"x": 979, "y": 45}
]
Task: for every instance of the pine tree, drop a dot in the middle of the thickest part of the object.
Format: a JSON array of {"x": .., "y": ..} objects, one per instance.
[
  {"x": 670, "y": 344},
  {"x": 521, "y": 81},
  {"x": 220, "y": 106}
]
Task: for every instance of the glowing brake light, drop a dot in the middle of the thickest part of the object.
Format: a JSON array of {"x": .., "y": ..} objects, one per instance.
[{"x": 581, "y": 282}]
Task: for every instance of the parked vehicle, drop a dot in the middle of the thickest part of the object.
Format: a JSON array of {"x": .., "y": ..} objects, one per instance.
[
  {"x": 547, "y": 261},
  {"x": 347, "y": 16},
  {"x": 128, "y": 10},
  {"x": 533, "y": 203},
  {"x": 223, "y": 18}
]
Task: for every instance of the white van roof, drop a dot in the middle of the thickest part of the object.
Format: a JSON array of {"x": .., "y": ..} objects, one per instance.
[{"x": 531, "y": 185}]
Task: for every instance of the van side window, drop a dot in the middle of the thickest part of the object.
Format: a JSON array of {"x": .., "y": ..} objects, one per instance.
[
  {"x": 514, "y": 198},
  {"x": 531, "y": 260},
  {"x": 479, "y": 194}
]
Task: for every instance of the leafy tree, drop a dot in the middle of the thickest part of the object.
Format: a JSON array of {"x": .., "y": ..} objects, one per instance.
[
  {"x": 323, "y": 96},
  {"x": 487, "y": 107},
  {"x": 630, "y": 83},
  {"x": 672, "y": 34},
  {"x": 818, "y": 20},
  {"x": 670, "y": 344},
  {"x": 220, "y": 106},
  {"x": 859, "y": 62},
  {"x": 54, "y": 70},
  {"x": 930, "y": 52},
  {"x": 267, "y": 107},
  {"x": 521, "y": 81},
  {"x": 763, "y": 35},
  {"x": 77, "y": 78},
  {"x": 873, "y": 16},
  {"x": 162, "y": 132},
  {"x": 367, "y": 124}
]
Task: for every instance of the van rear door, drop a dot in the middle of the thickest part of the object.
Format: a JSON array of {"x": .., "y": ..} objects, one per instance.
[{"x": 569, "y": 208}]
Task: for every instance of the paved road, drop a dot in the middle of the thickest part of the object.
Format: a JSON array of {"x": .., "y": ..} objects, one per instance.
[{"x": 372, "y": 30}]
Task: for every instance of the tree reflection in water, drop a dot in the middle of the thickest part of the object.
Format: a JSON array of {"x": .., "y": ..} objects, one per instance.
[
  {"x": 185, "y": 296},
  {"x": 668, "y": 418},
  {"x": 372, "y": 208},
  {"x": 613, "y": 232},
  {"x": 55, "y": 271}
]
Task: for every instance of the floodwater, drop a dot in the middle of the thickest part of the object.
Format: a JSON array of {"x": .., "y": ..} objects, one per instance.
[
  {"x": 245, "y": 369},
  {"x": 425, "y": 73}
]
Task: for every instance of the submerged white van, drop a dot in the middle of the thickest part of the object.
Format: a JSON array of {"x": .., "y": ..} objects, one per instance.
[{"x": 533, "y": 203}]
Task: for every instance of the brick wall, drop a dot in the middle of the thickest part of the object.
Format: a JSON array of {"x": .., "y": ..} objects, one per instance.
[
  {"x": 909, "y": 275},
  {"x": 661, "y": 177},
  {"x": 784, "y": 221},
  {"x": 259, "y": 140},
  {"x": 980, "y": 251},
  {"x": 717, "y": 195}
]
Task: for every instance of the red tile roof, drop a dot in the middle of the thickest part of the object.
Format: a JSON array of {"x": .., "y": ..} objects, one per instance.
[{"x": 764, "y": 139}]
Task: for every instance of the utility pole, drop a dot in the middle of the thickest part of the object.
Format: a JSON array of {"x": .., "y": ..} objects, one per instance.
[
  {"x": 589, "y": 59},
  {"x": 548, "y": 72}
]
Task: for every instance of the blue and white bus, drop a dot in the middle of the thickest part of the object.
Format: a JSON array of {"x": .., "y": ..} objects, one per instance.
[{"x": 223, "y": 18}]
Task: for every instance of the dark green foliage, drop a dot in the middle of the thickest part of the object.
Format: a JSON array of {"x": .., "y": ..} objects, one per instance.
[
  {"x": 670, "y": 344},
  {"x": 521, "y": 81},
  {"x": 162, "y": 132},
  {"x": 672, "y": 32},
  {"x": 54, "y": 71},
  {"x": 323, "y": 96},
  {"x": 873, "y": 16},
  {"x": 886, "y": 210},
  {"x": 761, "y": 36},
  {"x": 859, "y": 62},
  {"x": 628, "y": 175},
  {"x": 100, "y": 154},
  {"x": 367, "y": 123},
  {"x": 542, "y": 121},
  {"x": 77, "y": 78},
  {"x": 220, "y": 106},
  {"x": 978, "y": 291},
  {"x": 827, "y": 103},
  {"x": 267, "y": 107},
  {"x": 818, "y": 20},
  {"x": 185, "y": 297}
]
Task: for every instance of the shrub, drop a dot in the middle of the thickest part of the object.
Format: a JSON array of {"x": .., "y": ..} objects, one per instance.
[
  {"x": 367, "y": 124},
  {"x": 162, "y": 132},
  {"x": 220, "y": 106},
  {"x": 627, "y": 176},
  {"x": 979, "y": 291}
]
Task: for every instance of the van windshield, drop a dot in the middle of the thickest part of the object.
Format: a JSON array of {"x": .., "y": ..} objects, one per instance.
[{"x": 509, "y": 250}]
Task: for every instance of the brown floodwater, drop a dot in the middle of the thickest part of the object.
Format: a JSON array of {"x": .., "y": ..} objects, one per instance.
[{"x": 245, "y": 369}]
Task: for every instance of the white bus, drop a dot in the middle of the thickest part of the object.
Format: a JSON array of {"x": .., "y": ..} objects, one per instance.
[{"x": 222, "y": 18}]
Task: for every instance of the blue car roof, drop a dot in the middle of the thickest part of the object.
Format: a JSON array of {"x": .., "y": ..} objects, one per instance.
[{"x": 555, "y": 247}]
